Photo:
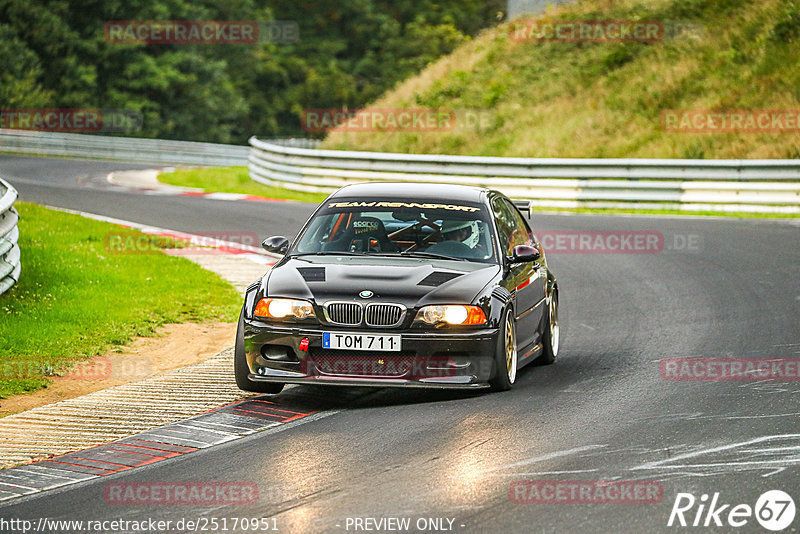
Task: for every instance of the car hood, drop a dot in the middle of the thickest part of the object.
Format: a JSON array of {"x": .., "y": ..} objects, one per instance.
[{"x": 409, "y": 281}]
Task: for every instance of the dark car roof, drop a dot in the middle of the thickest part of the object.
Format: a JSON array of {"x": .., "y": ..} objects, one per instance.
[{"x": 412, "y": 191}]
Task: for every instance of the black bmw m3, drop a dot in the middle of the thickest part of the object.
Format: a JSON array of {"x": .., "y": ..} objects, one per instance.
[{"x": 397, "y": 284}]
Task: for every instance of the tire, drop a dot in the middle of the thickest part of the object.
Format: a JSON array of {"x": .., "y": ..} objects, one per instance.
[
  {"x": 552, "y": 333},
  {"x": 505, "y": 357},
  {"x": 241, "y": 371}
]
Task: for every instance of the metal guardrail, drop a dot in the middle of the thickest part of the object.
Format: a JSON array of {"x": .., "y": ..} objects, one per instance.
[
  {"x": 10, "y": 265},
  {"x": 155, "y": 151},
  {"x": 768, "y": 186}
]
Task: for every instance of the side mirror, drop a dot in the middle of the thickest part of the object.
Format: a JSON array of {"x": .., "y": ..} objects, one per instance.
[
  {"x": 276, "y": 244},
  {"x": 524, "y": 254}
]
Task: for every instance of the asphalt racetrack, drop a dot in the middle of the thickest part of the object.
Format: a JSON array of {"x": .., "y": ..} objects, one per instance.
[{"x": 449, "y": 461}]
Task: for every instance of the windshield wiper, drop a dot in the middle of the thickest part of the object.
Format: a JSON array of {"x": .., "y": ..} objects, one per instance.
[
  {"x": 423, "y": 254},
  {"x": 327, "y": 253},
  {"x": 419, "y": 254}
]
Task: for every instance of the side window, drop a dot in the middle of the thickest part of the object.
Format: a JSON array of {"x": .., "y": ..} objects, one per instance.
[
  {"x": 511, "y": 226},
  {"x": 505, "y": 224},
  {"x": 521, "y": 233}
]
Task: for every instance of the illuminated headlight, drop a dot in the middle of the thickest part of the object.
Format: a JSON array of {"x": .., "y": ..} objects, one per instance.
[
  {"x": 451, "y": 314},
  {"x": 270, "y": 308}
]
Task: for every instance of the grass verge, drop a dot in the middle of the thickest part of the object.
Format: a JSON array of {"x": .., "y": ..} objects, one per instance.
[
  {"x": 233, "y": 180},
  {"x": 75, "y": 299}
]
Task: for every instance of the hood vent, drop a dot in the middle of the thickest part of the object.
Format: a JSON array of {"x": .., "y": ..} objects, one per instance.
[
  {"x": 312, "y": 274},
  {"x": 437, "y": 278}
]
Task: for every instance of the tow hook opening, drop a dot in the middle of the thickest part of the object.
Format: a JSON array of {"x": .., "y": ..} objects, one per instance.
[{"x": 278, "y": 353}]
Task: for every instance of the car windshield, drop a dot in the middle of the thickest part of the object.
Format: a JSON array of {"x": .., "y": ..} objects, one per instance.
[{"x": 378, "y": 227}]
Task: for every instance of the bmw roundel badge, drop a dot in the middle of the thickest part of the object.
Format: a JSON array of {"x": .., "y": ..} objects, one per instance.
[{"x": 366, "y": 294}]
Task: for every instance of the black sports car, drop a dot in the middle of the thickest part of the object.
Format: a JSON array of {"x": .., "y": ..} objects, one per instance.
[{"x": 397, "y": 284}]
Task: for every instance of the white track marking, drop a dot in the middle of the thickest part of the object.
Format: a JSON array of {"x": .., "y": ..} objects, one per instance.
[
  {"x": 665, "y": 464},
  {"x": 545, "y": 457}
]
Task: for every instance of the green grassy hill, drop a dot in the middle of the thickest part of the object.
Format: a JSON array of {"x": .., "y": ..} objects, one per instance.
[{"x": 593, "y": 99}]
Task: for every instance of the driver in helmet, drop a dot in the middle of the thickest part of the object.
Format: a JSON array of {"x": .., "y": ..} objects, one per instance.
[{"x": 461, "y": 231}]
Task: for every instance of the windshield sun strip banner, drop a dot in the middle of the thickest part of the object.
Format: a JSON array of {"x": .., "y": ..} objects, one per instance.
[{"x": 395, "y": 205}]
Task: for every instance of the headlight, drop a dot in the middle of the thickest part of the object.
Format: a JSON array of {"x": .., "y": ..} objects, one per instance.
[
  {"x": 283, "y": 309},
  {"x": 451, "y": 314}
]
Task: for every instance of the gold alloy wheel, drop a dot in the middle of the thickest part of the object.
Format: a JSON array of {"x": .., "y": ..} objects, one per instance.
[
  {"x": 511, "y": 348},
  {"x": 555, "y": 331}
]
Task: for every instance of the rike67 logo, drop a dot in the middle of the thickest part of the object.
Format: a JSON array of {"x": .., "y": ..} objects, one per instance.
[{"x": 774, "y": 510}]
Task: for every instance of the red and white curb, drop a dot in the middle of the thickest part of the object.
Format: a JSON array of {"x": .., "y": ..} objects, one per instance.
[
  {"x": 146, "y": 182},
  {"x": 201, "y": 244},
  {"x": 218, "y": 426},
  {"x": 229, "y": 196}
]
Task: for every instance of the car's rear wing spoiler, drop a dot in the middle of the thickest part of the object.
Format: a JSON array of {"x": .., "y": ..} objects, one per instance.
[{"x": 524, "y": 206}]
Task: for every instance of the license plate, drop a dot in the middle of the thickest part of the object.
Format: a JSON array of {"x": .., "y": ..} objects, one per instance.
[{"x": 373, "y": 342}]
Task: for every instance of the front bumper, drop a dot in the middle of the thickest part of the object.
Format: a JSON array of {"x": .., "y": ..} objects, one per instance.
[{"x": 428, "y": 359}]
